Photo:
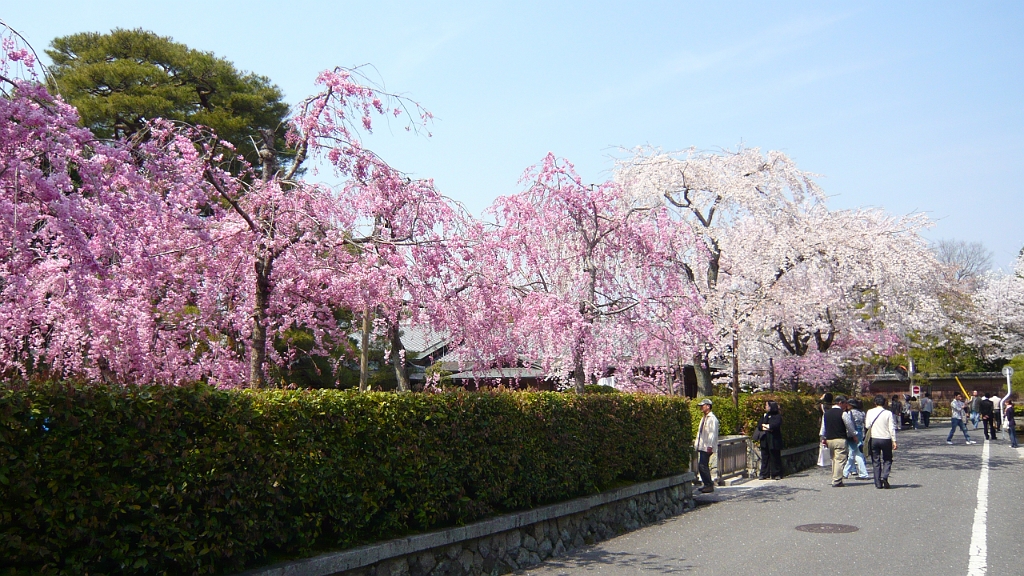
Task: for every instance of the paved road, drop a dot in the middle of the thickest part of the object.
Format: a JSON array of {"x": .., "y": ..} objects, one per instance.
[{"x": 926, "y": 524}]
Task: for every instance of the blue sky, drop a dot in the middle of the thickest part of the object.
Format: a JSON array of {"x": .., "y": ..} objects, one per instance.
[{"x": 911, "y": 107}]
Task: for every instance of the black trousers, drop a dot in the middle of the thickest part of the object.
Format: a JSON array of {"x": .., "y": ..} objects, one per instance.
[
  {"x": 881, "y": 459},
  {"x": 991, "y": 426},
  {"x": 925, "y": 417},
  {"x": 704, "y": 468},
  {"x": 771, "y": 462}
]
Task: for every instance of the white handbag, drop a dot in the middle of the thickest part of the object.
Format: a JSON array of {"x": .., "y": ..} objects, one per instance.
[{"x": 824, "y": 457}]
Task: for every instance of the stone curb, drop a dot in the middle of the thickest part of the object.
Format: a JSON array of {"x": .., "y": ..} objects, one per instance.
[
  {"x": 336, "y": 562},
  {"x": 798, "y": 449}
]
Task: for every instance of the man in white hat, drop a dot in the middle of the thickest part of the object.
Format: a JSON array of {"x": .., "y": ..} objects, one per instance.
[{"x": 705, "y": 443}]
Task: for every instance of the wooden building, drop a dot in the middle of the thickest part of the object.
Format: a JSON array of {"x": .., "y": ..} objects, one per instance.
[{"x": 941, "y": 386}]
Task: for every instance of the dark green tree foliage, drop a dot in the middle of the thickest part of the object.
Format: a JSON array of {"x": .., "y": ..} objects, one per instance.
[{"x": 120, "y": 80}]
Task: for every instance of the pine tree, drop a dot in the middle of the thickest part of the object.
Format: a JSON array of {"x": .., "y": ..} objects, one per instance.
[{"x": 119, "y": 80}]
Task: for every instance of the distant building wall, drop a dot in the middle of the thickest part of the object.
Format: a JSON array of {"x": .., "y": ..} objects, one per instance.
[{"x": 942, "y": 386}]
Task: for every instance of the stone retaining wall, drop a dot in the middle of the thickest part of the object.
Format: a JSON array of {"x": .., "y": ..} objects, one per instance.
[
  {"x": 800, "y": 458},
  {"x": 793, "y": 459},
  {"x": 506, "y": 543}
]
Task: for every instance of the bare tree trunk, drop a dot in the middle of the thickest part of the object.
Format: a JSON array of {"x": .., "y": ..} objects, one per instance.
[
  {"x": 735, "y": 368},
  {"x": 364, "y": 351},
  {"x": 670, "y": 371},
  {"x": 264, "y": 266},
  {"x": 258, "y": 347},
  {"x": 578, "y": 372},
  {"x": 397, "y": 358},
  {"x": 704, "y": 387},
  {"x": 771, "y": 374}
]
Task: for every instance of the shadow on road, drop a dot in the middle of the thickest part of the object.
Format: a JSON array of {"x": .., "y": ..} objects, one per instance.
[
  {"x": 627, "y": 562},
  {"x": 952, "y": 460},
  {"x": 759, "y": 494},
  {"x": 899, "y": 486}
]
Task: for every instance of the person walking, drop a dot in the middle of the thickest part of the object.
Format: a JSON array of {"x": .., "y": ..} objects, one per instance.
[
  {"x": 915, "y": 410},
  {"x": 771, "y": 442},
  {"x": 856, "y": 458},
  {"x": 837, "y": 430},
  {"x": 926, "y": 409},
  {"x": 956, "y": 409},
  {"x": 1012, "y": 430},
  {"x": 986, "y": 407},
  {"x": 706, "y": 443},
  {"x": 997, "y": 414},
  {"x": 882, "y": 424},
  {"x": 974, "y": 407},
  {"x": 896, "y": 407}
]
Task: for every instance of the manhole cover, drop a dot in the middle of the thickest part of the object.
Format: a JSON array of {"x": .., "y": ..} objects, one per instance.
[{"x": 827, "y": 528}]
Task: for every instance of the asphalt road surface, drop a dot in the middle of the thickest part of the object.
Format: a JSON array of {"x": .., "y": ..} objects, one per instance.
[{"x": 946, "y": 514}]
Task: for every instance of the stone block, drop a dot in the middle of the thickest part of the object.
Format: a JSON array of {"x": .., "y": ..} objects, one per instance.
[
  {"x": 563, "y": 523},
  {"x": 446, "y": 568},
  {"x": 453, "y": 551},
  {"x": 498, "y": 547},
  {"x": 544, "y": 548},
  {"x": 483, "y": 546},
  {"x": 398, "y": 567},
  {"x": 529, "y": 543},
  {"x": 426, "y": 562},
  {"x": 537, "y": 531},
  {"x": 466, "y": 561},
  {"x": 559, "y": 550},
  {"x": 478, "y": 563},
  {"x": 514, "y": 539}
]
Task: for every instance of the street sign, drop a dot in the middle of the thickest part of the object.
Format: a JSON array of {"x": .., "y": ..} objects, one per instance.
[
  {"x": 915, "y": 390},
  {"x": 1007, "y": 371}
]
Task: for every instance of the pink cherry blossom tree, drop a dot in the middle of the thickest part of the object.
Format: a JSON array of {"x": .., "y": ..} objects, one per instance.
[
  {"x": 145, "y": 260},
  {"x": 861, "y": 279},
  {"x": 785, "y": 273},
  {"x": 708, "y": 194},
  {"x": 1000, "y": 306},
  {"x": 302, "y": 252},
  {"x": 586, "y": 278}
]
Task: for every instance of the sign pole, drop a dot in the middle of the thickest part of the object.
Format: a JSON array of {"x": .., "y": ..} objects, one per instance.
[
  {"x": 962, "y": 389},
  {"x": 1008, "y": 372}
]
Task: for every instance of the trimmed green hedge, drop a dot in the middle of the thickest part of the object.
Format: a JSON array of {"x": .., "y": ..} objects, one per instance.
[
  {"x": 152, "y": 480},
  {"x": 727, "y": 414},
  {"x": 801, "y": 416}
]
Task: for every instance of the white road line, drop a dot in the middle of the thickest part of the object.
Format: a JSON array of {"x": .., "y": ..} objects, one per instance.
[{"x": 977, "y": 565}]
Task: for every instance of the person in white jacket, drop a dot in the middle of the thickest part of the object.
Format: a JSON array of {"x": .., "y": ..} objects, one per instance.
[
  {"x": 706, "y": 443},
  {"x": 883, "y": 440}
]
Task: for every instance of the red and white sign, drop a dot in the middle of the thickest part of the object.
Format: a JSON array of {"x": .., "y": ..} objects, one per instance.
[{"x": 915, "y": 390}]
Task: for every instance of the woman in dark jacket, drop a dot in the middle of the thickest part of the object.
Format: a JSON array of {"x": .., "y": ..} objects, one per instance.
[
  {"x": 771, "y": 442},
  {"x": 896, "y": 407}
]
